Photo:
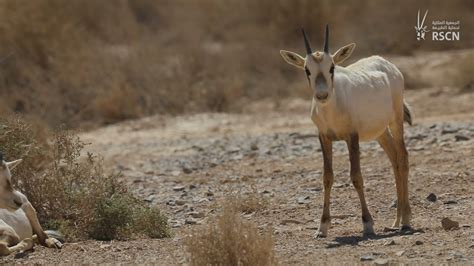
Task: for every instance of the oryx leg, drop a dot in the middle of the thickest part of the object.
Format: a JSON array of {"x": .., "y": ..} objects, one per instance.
[
  {"x": 10, "y": 241},
  {"x": 42, "y": 237},
  {"x": 328, "y": 180},
  {"x": 386, "y": 142},
  {"x": 358, "y": 182},
  {"x": 403, "y": 206}
]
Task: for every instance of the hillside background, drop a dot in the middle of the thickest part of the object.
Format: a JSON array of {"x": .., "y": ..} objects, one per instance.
[{"x": 85, "y": 63}]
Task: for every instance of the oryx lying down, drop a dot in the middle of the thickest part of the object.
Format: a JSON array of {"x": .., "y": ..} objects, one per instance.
[
  {"x": 18, "y": 220},
  {"x": 360, "y": 102}
]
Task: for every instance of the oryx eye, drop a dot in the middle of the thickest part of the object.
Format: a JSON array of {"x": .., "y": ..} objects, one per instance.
[
  {"x": 331, "y": 70},
  {"x": 307, "y": 71}
]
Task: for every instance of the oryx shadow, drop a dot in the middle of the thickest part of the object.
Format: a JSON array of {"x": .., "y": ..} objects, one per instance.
[{"x": 354, "y": 240}]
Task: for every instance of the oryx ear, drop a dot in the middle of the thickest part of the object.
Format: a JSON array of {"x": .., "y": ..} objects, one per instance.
[
  {"x": 343, "y": 53},
  {"x": 293, "y": 58},
  {"x": 12, "y": 165}
]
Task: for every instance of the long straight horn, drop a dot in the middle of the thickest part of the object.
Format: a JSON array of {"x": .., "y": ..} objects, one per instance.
[
  {"x": 423, "y": 21},
  {"x": 418, "y": 19},
  {"x": 306, "y": 42},
  {"x": 326, "y": 40}
]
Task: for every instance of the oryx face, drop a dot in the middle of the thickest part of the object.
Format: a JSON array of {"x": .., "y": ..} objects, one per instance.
[
  {"x": 320, "y": 67},
  {"x": 9, "y": 197}
]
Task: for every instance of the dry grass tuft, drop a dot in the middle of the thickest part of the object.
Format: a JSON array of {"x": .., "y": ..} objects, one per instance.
[
  {"x": 71, "y": 193},
  {"x": 228, "y": 240},
  {"x": 249, "y": 202}
]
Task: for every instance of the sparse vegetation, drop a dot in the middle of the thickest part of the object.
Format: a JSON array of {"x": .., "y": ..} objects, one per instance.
[
  {"x": 71, "y": 193},
  {"x": 228, "y": 240},
  {"x": 248, "y": 202}
]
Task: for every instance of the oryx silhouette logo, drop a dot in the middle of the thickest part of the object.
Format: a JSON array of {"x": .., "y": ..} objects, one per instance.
[{"x": 420, "y": 29}]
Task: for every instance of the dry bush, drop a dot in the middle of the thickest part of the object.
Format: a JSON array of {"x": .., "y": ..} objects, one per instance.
[
  {"x": 249, "y": 202},
  {"x": 71, "y": 193},
  {"x": 228, "y": 240}
]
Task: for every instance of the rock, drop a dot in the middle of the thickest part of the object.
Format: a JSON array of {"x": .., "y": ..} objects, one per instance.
[
  {"x": 209, "y": 194},
  {"x": 180, "y": 202},
  {"x": 449, "y": 224},
  {"x": 178, "y": 188},
  {"x": 187, "y": 170},
  {"x": 175, "y": 173},
  {"x": 367, "y": 257},
  {"x": 105, "y": 246},
  {"x": 390, "y": 242},
  {"x": 449, "y": 130},
  {"x": 394, "y": 204},
  {"x": 289, "y": 221},
  {"x": 150, "y": 198},
  {"x": 254, "y": 146},
  {"x": 451, "y": 201},
  {"x": 192, "y": 186},
  {"x": 197, "y": 215},
  {"x": 418, "y": 242},
  {"x": 190, "y": 221},
  {"x": 432, "y": 197},
  {"x": 400, "y": 253},
  {"x": 381, "y": 262},
  {"x": 460, "y": 137},
  {"x": 303, "y": 199}
]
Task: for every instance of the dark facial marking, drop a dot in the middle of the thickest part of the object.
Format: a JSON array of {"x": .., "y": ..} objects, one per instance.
[
  {"x": 331, "y": 70},
  {"x": 307, "y": 71}
]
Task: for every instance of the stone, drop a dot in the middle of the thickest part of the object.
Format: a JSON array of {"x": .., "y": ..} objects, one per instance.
[
  {"x": 460, "y": 137},
  {"x": 381, "y": 262},
  {"x": 367, "y": 257},
  {"x": 432, "y": 197},
  {"x": 178, "y": 188},
  {"x": 449, "y": 224},
  {"x": 400, "y": 253},
  {"x": 451, "y": 201},
  {"x": 449, "y": 130},
  {"x": 197, "y": 215},
  {"x": 390, "y": 242},
  {"x": 180, "y": 202},
  {"x": 302, "y": 199},
  {"x": 254, "y": 146},
  {"x": 394, "y": 204},
  {"x": 187, "y": 170},
  {"x": 190, "y": 221},
  {"x": 418, "y": 242}
]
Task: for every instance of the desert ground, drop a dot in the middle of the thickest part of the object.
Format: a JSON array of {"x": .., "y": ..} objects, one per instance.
[{"x": 188, "y": 164}]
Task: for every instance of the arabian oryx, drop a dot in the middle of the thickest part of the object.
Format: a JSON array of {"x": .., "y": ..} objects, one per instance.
[
  {"x": 360, "y": 102},
  {"x": 18, "y": 220}
]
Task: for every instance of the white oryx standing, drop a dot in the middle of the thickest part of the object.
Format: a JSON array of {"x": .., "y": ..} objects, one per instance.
[
  {"x": 18, "y": 220},
  {"x": 360, "y": 102}
]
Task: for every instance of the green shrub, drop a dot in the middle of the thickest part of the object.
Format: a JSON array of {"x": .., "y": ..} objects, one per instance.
[{"x": 70, "y": 191}]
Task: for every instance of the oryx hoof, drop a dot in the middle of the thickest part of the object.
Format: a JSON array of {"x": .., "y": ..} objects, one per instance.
[
  {"x": 53, "y": 243},
  {"x": 320, "y": 234}
]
